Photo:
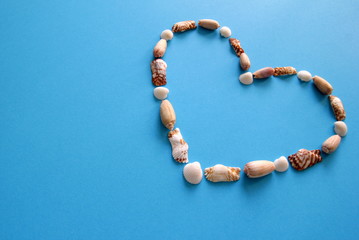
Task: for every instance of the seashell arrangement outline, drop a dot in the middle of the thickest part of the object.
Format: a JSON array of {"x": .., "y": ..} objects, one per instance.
[{"x": 192, "y": 172}]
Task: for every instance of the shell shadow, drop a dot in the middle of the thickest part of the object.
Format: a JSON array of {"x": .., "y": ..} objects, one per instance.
[
  {"x": 207, "y": 32},
  {"x": 253, "y": 185}
]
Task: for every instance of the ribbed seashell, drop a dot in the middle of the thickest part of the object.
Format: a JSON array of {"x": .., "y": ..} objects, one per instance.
[
  {"x": 168, "y": 115},
  {"x": 304, "y": 76},
  {"x": 246, "y": 78},
  {"x": 260, "y": 168},
  {"x": 323, "y": 85},
  {"x": 192, "y": 172},
  {"x": 160, "y": 48},
  {"x": 338, "y": 108},
  {"x": 236, "y": 45},
  {"x": 280, "y": 71},
  {"x": 161, "y": 92},
  {"x": 225, "y": 32},
  {"x": 281, "y": 164},
  {"x": 221, "y": 173},
  {"x": 184, "y": 26},
  {"x": 244, "y": 62},
  {"x": 304, "y": 158},
  {"x": 209, "y": 24},
  {"x": 158, "y": 67},
  {"x": 340, "y": 128},
  {"x": 167, "y": 35},
  {"x": 331, "y": 144},
  {"x": 264, "y": 72},
  {"x": 179, "y": 146}
]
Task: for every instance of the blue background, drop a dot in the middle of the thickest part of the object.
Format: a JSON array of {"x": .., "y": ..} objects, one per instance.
[{"x": 83, "y": 154}]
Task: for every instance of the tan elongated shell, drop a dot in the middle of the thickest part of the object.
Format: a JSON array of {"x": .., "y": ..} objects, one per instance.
[
  {"x": 184, "y": 26},
  {"x": 245, "y": 62},
  {"x": 160, "y": 48},
  {"x": 304, "y": 158},
  {"x": 221, "y": 173},
  {"x": 236, "y": 45},
  {"x": 167, "y": 113},
  {"x": 338, "y": 108},
  {"x": 280, "y": 71},
  {"x": 323, "y": 85},
  {"x": 331, "y": 144},
  {"x": 209, "y": 24},
  {"x": 260, "y": 168},
  {"x": 264, "y": 72},
  {"x": 158, "y": 68},
  {"x": 179, "y": 146}
]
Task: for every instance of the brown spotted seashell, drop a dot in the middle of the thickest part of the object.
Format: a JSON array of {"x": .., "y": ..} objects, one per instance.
[
  {"x": 280, "y": 71},
  {"x": 322, "y": 85},
  {"x": 158, "y": 67},
  {"x": 304, "y": 159},
  {"x": 338, "y": 108},
  {"x": 184, "y": 26},
  {"x": 221, "y": 173},
  {"x": 236, "y": 45},
  {"x": 179, "y": 146},
  {"x": 160, "y": 48}
]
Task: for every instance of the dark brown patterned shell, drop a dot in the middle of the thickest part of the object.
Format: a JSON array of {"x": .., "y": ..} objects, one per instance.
[{"x": 304, "y": 159}]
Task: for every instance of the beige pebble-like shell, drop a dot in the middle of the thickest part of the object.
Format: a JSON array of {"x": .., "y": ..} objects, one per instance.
[
  {"x": 168, "y": 115},
  {"x": 184, "y": 26},
  {"x": 158, "y": 68},
  {"x": 331, "y": 144},
  {"x": 260, "y": 168},
  {"x": 322, "y": 85},
  {"x": 225, "y": 32},
  {"x": 192, "y": 172},
  {"x": 281, "y": 164},
  {"x": 340, "y": 128},
  {"x": 338, "y": 108},
  {"x": 246, "y": 78},
  {"x": 160, "y": 48},
  {"x": 221, "y": 173},
  {"x": 280, "y": 71},
  {"x": 167, "y": 35},
  {"x": 244, "y": 62},
  {"x": 209, "y": 24},
  {"x": 304, "y": 158},
  {"x": 161, "y": 92},
  {"x": 264, "y": 72},
  {"x": 305, "y": 76},
  {"x": 179, "y": 146},
  {"x": 236, "y": 45}
]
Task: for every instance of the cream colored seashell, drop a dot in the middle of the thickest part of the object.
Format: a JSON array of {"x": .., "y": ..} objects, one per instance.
[
  {"x": 179, "y": 146},
  {"x": 322, "y": 85},
  {"x": 304, "y": 159},
  {"x": 340, "y": 128},
  {"x": 209, "y": 24},
  {"x": 167, "y": 35},
  {"x": 184, "y": 26},
  {"x": 160, "y": 48},
  {"x": 260, "y": 168},
  {"x": 221, "y": 173},
  {"x": 158, "y": 68},
  {"x": 331, "y": 144},
  {"x": 264, "y": 72},
  {"x": 338, "y": 108},
  {"x": 225, "y": 32},
  {"x": 244, "y": 62},
  {"x": 161, "y": 92},
  {"x": 281, "y": 164},
  {"x": 192, "y": 172},
  {"x": 167, "y": 113},
  {"x": 304, "y": 76},
  {"x": 246, "y": 78},
  {"x": 280, "y": 71}
]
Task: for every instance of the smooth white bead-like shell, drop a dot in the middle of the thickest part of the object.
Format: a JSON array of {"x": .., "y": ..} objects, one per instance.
[
  {"x": 281, "y": 164},
  {"x": 161, "y": 92},
  {"x": 167, "y": 34},
  {"x": 340, "y": 128},
  {"x": 225, "y": 32},
  {"x": 192, "y": 172},
  {"x": 304, "y": 76},
  {"x": 246, "y": 78}
]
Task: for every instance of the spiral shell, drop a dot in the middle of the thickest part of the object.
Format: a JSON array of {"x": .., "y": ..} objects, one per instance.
[
  {"x": 167, "y": 114},
  {"x": 158, "y": 67},
  {"x": 184, "y": 26},
  {"x": 221, "y": 173},
  {"x": 337, "y": 107},
  {"x": 160, "y": 48},
  {"x": 179, "y": 146},
  {"x": 331, "y": 144},
  {"x": 304, "y": 158},
  {"x": 236, "y": 45},
  {"x": 244, "y": 62},
  {"x": 280, "y": 71}
]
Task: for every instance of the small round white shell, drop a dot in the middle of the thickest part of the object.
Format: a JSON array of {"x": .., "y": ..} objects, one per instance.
[
  {"x": 304, "y": 76},
  {"x": 167, "y": 34},
  {"x": 246, "y": 78},
  {"x": 281, "y": 164},
  {"x": 161, "y": 92},
  {"x": 192, "y": 172},
  {"x": 340, "y": 128},
  {"x": 225, "y": 32}
]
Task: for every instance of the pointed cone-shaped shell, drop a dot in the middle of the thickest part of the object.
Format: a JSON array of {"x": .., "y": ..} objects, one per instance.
[
  {"x": 260, "y": 168},
  {"x": 160, "y": 48},
  {"x": 340, "y": 128},
  {"x": 338, "y": 108},
  {"x": 304, "y": 158},
  {"x": 280, "y": 71},
  {"x": 264, "y": 72},
  {"x": 179, "y": 146},
  {"x": 184, "y": 26},
  {"x": 331, "y": 144},
  {"x": 167, "y": 113},
  {"x": 236, "y": 45},
  {"x": 245, "y": 62},
  {"x": 221, "y": 173},
  {"x": 192, "y": 172},
  {"x": 209, "y": 24},
  {"x": 322, "y": 85},
  {"x": 158, "y": 67},
  {"x": 281, "y": 164}
]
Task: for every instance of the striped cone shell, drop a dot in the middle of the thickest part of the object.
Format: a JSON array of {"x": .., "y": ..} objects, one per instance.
[
  {"x": 236, "y": 45},
  {"x": 304, "y": 158},
  {"x": 280, "y": 71},
  {"x": 337, "y": 107},
  {"x": 184, "y": 26},
  {"x": 158, "y": 67}
]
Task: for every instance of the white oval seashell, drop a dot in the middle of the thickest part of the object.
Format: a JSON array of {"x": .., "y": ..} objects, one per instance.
[
  {"x": 167, "y": 35},
  {"x": 281, "y": 164},
  {"x": 304, "y": 76},
  {"x": 340, "y": 128},
  {"x": 246, "y": 78},
  {"x": 161, "y": 92},
  {"x": 225, "y": 32},
  {"x": 192, "y": 172}
]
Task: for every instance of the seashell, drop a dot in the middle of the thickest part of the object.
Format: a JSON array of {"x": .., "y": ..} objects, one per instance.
[
  {"x": 331, "y": 144},
  {"x": 209, "y": 24},
  {"x": 179, "y": 146},
  {"x": 192, "y": 172},
  {"x": 340, "y": 128},
  {"x": 338, "y": 108},
  {"x": 158, "y": 67},
  {"x": 167, "y": 35},
  {"x": 225, "y": 32},
  {"x": 221, "y": 173},
  {"x": 167, "y": 113},
  {"x": 236, "y": 45},
  {"x": 323, "y": 86},
  {"x": 260, "y": 168},
  {"x": 304, "y": 76},
  {"x": 161, "y": 92},
  {"x": 264, "y": 72},
  {"x": 184, "y": 26},
  {"x": 160, "y": 48},
  {"x": 280, "y": 71},
  {"x": 246, "y": 78},
  {"x": 281, "y": 164},
  {"x": 304, "y": 158},
  {"x": 244, "y": 62}
]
